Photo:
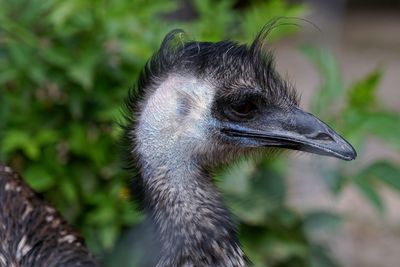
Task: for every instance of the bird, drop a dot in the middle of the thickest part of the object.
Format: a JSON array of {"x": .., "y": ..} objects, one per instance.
[{"x": 195, "y": 106}]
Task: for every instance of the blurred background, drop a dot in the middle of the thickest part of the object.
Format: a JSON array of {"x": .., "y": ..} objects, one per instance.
[{"x": 66, "y": 66}]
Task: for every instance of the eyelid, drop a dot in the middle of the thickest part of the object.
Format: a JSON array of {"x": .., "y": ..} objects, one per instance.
[{"x": 241, "y": 98}]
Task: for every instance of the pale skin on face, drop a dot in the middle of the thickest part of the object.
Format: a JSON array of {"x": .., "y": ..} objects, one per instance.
[{"x": 174, "y": 121}]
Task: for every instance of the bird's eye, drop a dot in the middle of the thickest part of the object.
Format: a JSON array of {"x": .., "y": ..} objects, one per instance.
[{"x": 243, "y": 110}]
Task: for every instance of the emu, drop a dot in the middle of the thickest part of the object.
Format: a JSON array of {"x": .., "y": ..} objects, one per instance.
[{"x": 198, "y": 105}]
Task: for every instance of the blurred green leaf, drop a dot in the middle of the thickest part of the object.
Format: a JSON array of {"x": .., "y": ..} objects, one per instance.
[
  {"x": 254, "y": 189},
  {"x": 38, "y": 178},
  {"x": 321, "y": 258},
  {"x": 109, "y": 235},
  {"x": 46, "y": 137},
  {"x": 368, "y": 189},
  {"x": 362, "y": 117},
  {"x": 384, "y": 125},
  {"x": 61, "y": 11},
  {"x": 321, "y": 220},
  {"x": 255, "y": 18},
  {"x": 362, "y": 93},
  {"x": 334, "y": 179},
  {"x": 69, "y": 190},
  {"x": 235, "y": 180},
  {"x": 213, "y": 13},
  {"x": 332, "y": 87},
  {"x": 17, "y": 140},
  {"x": 82, "y": 71},
  {"x": 384, "y": 171}
]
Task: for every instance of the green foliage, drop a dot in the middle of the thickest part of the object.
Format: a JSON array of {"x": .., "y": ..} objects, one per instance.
[
  {"x": 65, "y": 67},
  {"x": 362, "y": 116},
  {"x": 362, "y": 94},
  {"x": 260, "y": 12},
  {"x": 332, "y": 88},
  {"x": 272, "y": 233}
]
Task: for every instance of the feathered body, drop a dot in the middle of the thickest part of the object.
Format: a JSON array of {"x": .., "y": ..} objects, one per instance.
[{"x": 32, "y": 232}]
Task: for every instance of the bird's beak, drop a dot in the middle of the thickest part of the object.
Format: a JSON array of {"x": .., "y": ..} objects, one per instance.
[{"x": 294, "y": 129}]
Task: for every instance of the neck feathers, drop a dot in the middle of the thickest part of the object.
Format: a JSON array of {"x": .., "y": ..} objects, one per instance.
[{"x": 194, "y": 227}]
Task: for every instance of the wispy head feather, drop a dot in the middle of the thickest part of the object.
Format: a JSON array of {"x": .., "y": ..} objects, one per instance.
[{"x": 225, "y": 64}]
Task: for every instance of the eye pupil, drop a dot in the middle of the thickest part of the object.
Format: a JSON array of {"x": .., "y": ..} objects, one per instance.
[
  {"x": 244, "y": 109},
  {"x": 240, "y": 109}
]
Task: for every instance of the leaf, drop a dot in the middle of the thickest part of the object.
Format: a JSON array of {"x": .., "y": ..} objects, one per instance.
[
  {"x": 367, "y": 188},
  {"x": 334, "y": 178},
  {"x": 108, "y": 235},
  {"x": 17, "y": 140},
  {"x": 256, "y": 190},
  {"x": 382, "y": 124},
  {"x": 286, "y": 217},
  {"x": 38, "y": 178},
  {"x": 384, "y": 171},
  {"x": 62, "y": 11},
  {"x": 332, "y": 87},
  {"x": 362, "y": 93},
  {"x": 56, "y": 56},
  {"x": 258, "y": 14},
  {"x": 320, "y": 257},
  {"x": 78, "y": 139},
  {"x": 321, "y": 220},
  {"x": 215, "y": 19},
  {"x": 268, "y": 183},
  {"x": 69, "y": 190},
  {"x": 82, "y": 71},
  {"x": 7, "y": 75},
  {"x": 385, "y": 125},
  {"x": 235, "y": 180},
  {"x": 46, "y": 136}
]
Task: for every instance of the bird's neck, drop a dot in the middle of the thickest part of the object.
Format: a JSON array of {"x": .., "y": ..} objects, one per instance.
[
  {"x": 194, "y": 227},
  {"x": 172, "y": 145}
]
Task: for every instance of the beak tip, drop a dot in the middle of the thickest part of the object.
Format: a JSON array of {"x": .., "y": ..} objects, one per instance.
[
  {"x": 350, "y": 154},
  {"x": 350, "y": 157},
  {"x": 353, "y": 156}
]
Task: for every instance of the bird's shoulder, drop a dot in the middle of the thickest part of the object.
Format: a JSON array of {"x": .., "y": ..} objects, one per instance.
[{"x": 32, "y": 232}]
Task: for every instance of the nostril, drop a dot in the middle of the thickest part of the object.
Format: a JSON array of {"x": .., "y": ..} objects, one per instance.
[{"x": 323, "y": 137}]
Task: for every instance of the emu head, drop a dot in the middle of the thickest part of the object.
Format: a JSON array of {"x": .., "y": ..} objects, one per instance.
[{"x": 205, "y": 103}]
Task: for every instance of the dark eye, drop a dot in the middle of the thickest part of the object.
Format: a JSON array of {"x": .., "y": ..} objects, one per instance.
[{"x": 243, "y": 110}]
